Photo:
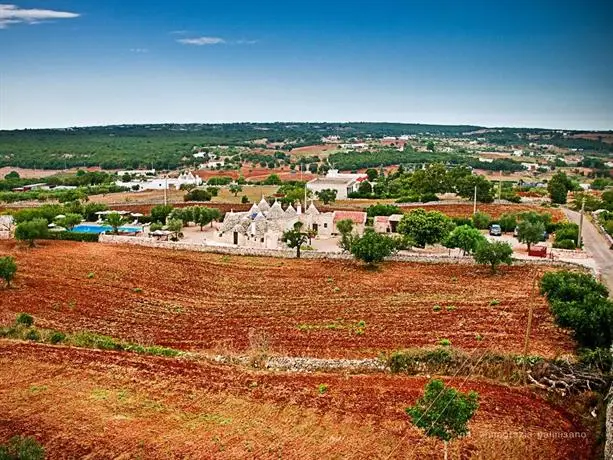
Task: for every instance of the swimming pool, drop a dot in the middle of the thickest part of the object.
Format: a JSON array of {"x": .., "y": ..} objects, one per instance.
[{"x": 91, "y": 228}]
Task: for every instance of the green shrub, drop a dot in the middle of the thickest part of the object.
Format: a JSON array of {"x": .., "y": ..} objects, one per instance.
[
  {"x": 56, "y": 337},
  {"x": 598, "y": 358},
  {"x": 564, "y": 244},
  {"x": 427, "y": 197},
  {"x": 322, "y": 388},
  {"x": 25, "y": 319},
  {"x": 436, "y": 308},
  {"x": 580, "y": 303},
  {"x": 72, "y": 236},
  {"x": 22, "y": 448},
  {"x": 32, "y": 335},
  {"x": 93, "y": 340},
  {"x": 481, "y": 220},
  {"x": 567, "y": 232},
  {"x": 444, "y": 342}
]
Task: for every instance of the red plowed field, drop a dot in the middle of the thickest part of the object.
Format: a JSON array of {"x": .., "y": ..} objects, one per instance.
[
  {"x": 84, "y": 403},
  {"x": 196, "y": 301}
]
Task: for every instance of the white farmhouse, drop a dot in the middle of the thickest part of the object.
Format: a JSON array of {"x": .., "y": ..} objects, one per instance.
[{"x": 344, "y": 184}]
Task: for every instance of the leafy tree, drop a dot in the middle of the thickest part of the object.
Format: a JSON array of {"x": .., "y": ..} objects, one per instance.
[
  {"x": 444, "y": 412},
  {"x": 372, "y": 248},
  {"x": 327, "y": 195},
  {"x": 8, "y": 269},
  {"x": 244, "y": 199},
  {"x": 31, "y": 230},
  {"x": 382, "y": 210},
  {"x": 115, "y": 220},
  {"x": 465, "y": 187},
  {"x": 558, "y": 187},
  {"x": 175, "y": 225},
  {"x": 13, "y": 175},
  {"x": 465, "y": 238},
  {"x": 198, "y": 195},
  {"x": 159, "y": 213},
  {"x": 493, "y": 254},
  {"x": 433, "y": 179},
  {"x": 365, "y": 189},
  {"x": 425, "y": 227},
  {"x": 70, "y": 221},
  {"x": 580, "y": 303},
  {"x": 295, "y": 238},
  {"x": 481, "y": 220},
  {"x": 273, "y": 179},
  {"x": 235, "y": 189},
  {"x": 508, "y": 222},
  {"x": 345, "y": 228},
  {"x": 430, "y": 146},
  {"x": 529, "y": 232},
  {"x": 207, "y": 216},
  {"x": 372, "y": 174}
]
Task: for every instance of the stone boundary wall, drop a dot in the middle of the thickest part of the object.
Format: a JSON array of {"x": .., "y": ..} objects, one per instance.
[{"x": 291, "y": 254}]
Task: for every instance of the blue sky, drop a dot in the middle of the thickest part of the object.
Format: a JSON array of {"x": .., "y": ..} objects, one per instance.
[{"x": 504, "y": 63}]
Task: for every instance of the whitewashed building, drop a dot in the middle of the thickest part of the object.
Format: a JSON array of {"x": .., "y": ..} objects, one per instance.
[{"x": 344, "y": 184}]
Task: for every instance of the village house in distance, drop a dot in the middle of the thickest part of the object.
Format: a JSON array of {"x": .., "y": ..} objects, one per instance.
[{"x": 343, "y": 183}]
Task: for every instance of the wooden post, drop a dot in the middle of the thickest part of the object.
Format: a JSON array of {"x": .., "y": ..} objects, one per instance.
[{"x": 475, "y": 202}]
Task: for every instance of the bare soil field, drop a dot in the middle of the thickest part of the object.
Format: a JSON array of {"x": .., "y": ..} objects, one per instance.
[
  {"x": 34, "y": 173},
  {"x": 255, "y": 173},
  {"x": 87, "y": 403},
  {"x": 208, "y": 302},
  {"x": 321, "y": 150}
]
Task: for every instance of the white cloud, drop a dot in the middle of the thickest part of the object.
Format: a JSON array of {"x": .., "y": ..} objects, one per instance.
[
  {"x": 12, "y": 14},
  {"x": 202, "y": 41},
  {"x": 139, "y": 50}
]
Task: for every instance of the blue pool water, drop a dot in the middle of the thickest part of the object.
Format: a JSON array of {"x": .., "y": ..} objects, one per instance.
[{"x": 87, "y": 228}]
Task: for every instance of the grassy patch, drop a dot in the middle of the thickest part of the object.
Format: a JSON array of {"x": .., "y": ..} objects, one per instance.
[{"x": 83, "y": 339}]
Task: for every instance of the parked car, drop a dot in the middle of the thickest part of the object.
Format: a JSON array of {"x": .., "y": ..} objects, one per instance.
[{"x": 495, "y": 230}]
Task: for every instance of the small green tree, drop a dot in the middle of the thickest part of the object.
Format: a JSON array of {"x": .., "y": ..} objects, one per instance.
[
  {"x": 493, "y": 254},
  {"x": 295, "y": 238},
  {"x": 8, "y": 269},
  {"x": 235, "y": 189},
  {"x": 70, "y": 221},
  {"x": 530, "y": 232},
  {"x": 481, "y": 220},
  {"x": 372, "y": 248},
  {"x": 327, "y": 195},
  {"x": 31, "y": 230},
  {"x": 425, "y": 227},
  {"x": 372, "y": 174},
  {"x": 508, "y": 222},
  {"x": 115, "y": 220},
  {"x": 464, "y": 237},
  {"x": 444, "y": 412},
  {"x": 345, "y": 228},
  {"x": 207, "y": 216},
  {"x": 558, "y": 187},
  {"x": 175, "y": 225},
  {"x": 159, "y": 213}
]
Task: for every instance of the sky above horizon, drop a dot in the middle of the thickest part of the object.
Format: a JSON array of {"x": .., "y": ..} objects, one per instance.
[{"x": 522, "y": 63}]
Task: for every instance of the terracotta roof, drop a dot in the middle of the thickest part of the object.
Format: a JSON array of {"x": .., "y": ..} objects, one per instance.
[
  {"x": 381, "y": 219},
  {"x": 356, "y": 216}
]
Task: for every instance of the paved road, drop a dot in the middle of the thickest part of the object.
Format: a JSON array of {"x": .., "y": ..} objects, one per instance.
[{"x": 597, "y": 246}]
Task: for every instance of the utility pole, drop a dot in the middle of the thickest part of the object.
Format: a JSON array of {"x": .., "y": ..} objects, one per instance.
[
  {"x": 500, "y": 188},
  {"x": 579, "y": 236},
  {"x": 529, "y": 328},
  {"x": 166, "y": 190},
  {"x": 475, "y": 201}
]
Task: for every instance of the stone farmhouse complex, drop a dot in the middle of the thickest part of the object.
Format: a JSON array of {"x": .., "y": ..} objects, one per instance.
[{"x": 263, "y": 225}]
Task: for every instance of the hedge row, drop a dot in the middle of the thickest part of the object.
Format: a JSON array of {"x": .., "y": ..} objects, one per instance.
[{"x": 73, "y": 236}]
